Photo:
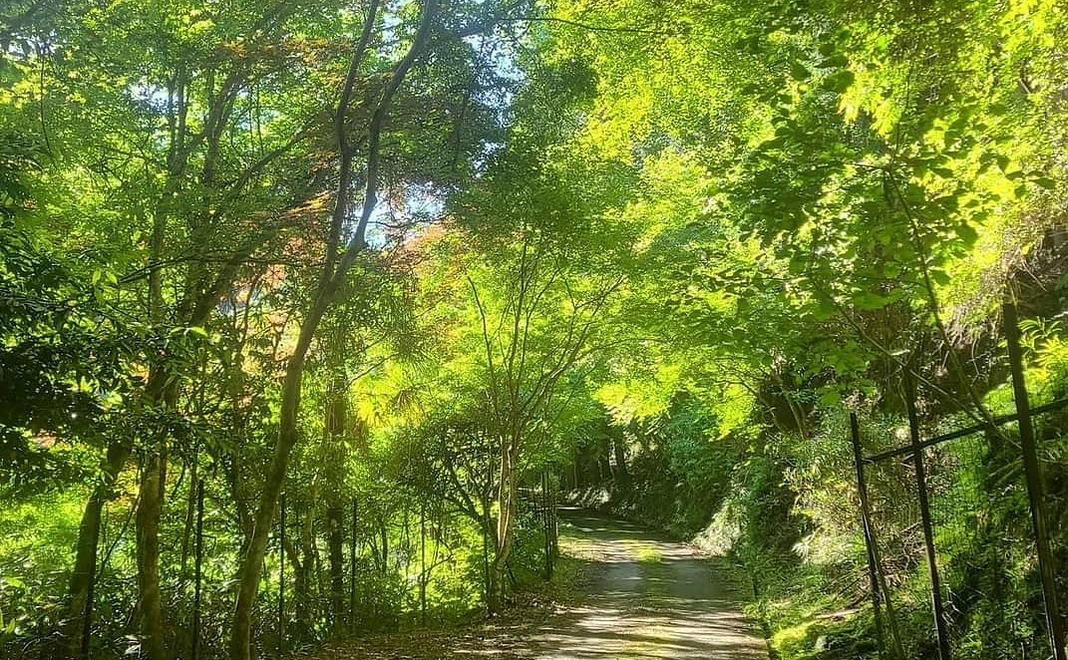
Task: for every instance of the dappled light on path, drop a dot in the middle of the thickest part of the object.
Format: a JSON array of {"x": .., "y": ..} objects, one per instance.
[{"x": 649, "y": 599}]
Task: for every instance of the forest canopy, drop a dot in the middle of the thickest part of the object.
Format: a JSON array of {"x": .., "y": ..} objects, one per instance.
[{"x": 302, "y": 303}]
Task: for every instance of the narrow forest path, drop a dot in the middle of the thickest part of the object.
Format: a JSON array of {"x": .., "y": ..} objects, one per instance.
[
  {"x": 648, "y": 598},
  {"x": 644, "y": 597}
]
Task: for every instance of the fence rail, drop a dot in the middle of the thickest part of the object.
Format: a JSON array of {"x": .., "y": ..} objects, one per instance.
[
  {"x": 886, "y": 620},
  {"x": 542, "y": 502}
]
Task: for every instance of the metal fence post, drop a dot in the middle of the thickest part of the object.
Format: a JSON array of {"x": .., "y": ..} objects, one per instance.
[
  {"x": 869, "y": 536},
  {"x": 423, "y": 577},
  {"x": 554, "y": 525},
  {"x": 282, "y": 578},
  {"x": 1035, "y": 490},
  {"x": 546, "y": 522},
  {"x": 198, "y": 569},
  {"x": 352, "y": 566},
  {"x": 925, "y": 518}
]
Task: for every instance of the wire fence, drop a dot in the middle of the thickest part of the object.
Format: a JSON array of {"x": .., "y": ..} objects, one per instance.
[
  {"x": 961, "y": 529},
  {"x": 540, "y": 504}
]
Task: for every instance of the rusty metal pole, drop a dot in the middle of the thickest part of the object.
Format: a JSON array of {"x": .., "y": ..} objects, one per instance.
[
  {"x": 554, "y": 517},
  {"x": 198, "y": 569},
  {"x": 545, "y": 522},
  {"x": 869, "y": 536},
  {"x": 1035, "y": 489},
  {"x": 925, "y": 518},
  {"x": 282, "y": 578},
  {"x": 352, "y": 567},
  {"x": 423, "y": 578}
]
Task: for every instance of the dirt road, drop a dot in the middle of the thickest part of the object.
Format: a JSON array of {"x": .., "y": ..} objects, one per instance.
[{"x": 649, "y": 598}]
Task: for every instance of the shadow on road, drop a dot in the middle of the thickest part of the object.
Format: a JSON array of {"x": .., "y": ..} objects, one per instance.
[{"x": 649, "y": 598}]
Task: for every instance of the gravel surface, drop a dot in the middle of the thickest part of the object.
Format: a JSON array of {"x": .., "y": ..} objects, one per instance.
[{"x": 650, "y": 598}]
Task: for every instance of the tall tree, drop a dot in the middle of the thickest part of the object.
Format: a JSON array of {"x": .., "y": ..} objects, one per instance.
[{"x": 341, "y": 255}]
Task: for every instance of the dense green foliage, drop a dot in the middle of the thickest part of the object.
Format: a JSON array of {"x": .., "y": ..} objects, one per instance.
[{"x": 396, "y": 268}]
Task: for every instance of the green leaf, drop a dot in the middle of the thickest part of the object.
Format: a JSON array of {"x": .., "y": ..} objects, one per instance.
[
  {"x": 838, "y": 82},
  {"x": 830, "y": 399},
  {"x": 968, "y": 234},
  {"x": 799, "y": 71},
  {"x": 834, "y": 62}
]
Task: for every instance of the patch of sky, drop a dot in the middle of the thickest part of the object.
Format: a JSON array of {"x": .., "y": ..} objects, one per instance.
[{"x": 398, "y": 216}]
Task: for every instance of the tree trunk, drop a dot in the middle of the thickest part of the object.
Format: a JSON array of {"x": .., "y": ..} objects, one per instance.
[
  {"x": 336, "y": 414},
  {"x": 604, "y": 462},
  {"x": 573, "y": 472},
  {"x": 506, "y": 504},
  {"x": 237, "y": 492},
  {"x": 335, "y": 522},
  {"x": 330, "y": 278},
  {"x": 85, "y": 560},
  {"x": 383, "y": 533},
  {"x": 190, "y": 519},
  {"x": 249, "y": 577},
  {"x": 294, "y": 552},
  {"x": 149, "y": 510},
  {"x": 234, "y": 466},
  {"x": 621, "y": 475},
  {"x": 305, "y": 574},
  {"x": 148, "y": 516},
  {"x": 487, "y": 529}
]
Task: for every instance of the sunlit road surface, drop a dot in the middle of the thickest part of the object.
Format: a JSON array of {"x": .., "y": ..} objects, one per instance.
[{"x": 648, "y": 599}]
